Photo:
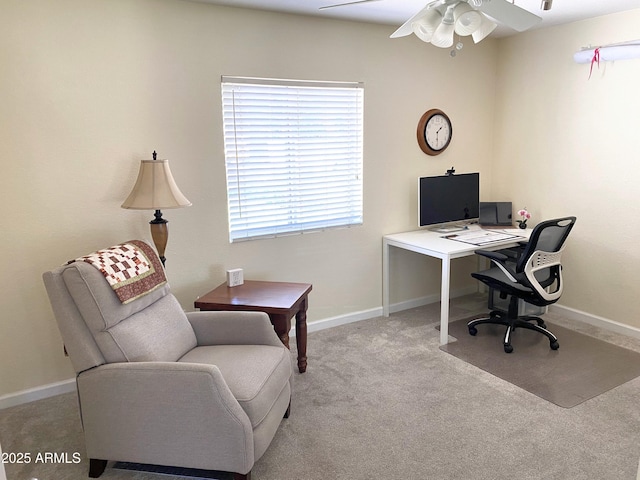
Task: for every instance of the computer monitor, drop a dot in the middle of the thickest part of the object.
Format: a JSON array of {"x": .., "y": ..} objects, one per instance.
[{"x": 448, "y": 198}]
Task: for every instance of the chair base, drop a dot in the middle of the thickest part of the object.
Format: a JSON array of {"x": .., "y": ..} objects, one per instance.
[
  {"x": 497, "y": 317},
  {"x": 97, "y": 468}
]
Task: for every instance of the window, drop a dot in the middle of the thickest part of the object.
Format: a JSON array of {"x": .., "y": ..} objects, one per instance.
[{"x": 293, "y": 153}]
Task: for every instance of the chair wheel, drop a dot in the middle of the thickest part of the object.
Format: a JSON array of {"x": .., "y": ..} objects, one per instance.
[
  {"x": 473, "y": 331},
  {"x": 508, "y": 349},
  {"x": 554, "y": 345}
]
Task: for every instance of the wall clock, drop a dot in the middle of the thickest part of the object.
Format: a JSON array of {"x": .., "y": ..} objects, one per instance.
[{"x": 434, "y": 132}]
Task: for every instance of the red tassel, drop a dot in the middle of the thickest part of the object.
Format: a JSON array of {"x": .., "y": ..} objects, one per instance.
[{"x": 595, "y": 59}]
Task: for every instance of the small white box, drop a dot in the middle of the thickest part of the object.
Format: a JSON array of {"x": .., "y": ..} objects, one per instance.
[{"x": 235, "y": 277}]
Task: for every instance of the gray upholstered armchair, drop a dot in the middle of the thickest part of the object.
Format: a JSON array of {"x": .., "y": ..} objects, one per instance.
[{"x": 159, "y": 386}]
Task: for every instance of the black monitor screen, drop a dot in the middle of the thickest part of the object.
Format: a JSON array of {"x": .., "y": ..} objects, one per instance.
[{"x": 448, "y": 198}]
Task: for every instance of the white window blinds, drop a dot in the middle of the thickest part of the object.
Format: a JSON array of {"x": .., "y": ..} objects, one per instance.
[{"x": 293, "y": 154}]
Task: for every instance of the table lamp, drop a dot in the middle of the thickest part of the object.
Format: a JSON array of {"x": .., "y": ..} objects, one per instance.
[{"x": 155, "y": 189}]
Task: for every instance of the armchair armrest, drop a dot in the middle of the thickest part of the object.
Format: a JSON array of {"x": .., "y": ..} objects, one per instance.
[
  {"x": 233, "y": 328},
  {"x": 164, "y": 413}
]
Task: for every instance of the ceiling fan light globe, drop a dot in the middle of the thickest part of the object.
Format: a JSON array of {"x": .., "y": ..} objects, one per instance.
[
  {"x": 486, "y": 27},
  {"x": 424, "y": 27},
  {"x": 468, "y": 22},
  {"x": 422, "y": 32},
  {"x": 443, "y": 36}
]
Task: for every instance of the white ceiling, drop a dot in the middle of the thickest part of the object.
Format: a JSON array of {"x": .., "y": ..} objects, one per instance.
[{"x": 396, "y": 12}]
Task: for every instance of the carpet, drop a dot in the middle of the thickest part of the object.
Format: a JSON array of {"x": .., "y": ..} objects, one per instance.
[
  {"x": 582, "y": 368},
  {"x": 380, "y": 400}
]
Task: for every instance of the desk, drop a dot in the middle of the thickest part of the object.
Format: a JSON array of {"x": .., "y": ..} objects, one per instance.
[
  {"x": 433, "y": 244},
  {"x": 280, "y": 300}
]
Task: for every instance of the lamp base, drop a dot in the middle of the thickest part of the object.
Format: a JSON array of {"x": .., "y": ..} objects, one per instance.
[{"x": 160, "y": 234}]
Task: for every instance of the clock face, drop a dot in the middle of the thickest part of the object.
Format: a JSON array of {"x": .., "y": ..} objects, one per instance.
[
  {"x": 437, "y": 132},
  {"x": 434, "y": 132}
]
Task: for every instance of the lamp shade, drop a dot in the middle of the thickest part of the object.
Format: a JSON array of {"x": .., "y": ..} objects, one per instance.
[{"x": 155, "y": 188}]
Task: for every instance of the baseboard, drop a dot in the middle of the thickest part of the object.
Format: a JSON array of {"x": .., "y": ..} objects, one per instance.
[
  {"x": 376, "y": 312},
  {"x": 422, "y": 301},
  {"x": 37, "y": 393},
  {"x": 595, "y": 320},
  {"x": 340, "y": 320},
  {"x": 413, "y": 303}
]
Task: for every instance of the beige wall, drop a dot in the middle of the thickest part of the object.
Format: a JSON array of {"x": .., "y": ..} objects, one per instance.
[
  {"x": 90, "y": 87},
  {"x": 569, "y": 145}
]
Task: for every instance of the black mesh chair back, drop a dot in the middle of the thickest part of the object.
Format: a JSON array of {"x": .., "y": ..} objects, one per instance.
[{"x": 533, "y": 275}]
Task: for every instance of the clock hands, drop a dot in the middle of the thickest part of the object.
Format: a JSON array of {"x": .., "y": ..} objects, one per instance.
[{"x": 437, "y": 132}]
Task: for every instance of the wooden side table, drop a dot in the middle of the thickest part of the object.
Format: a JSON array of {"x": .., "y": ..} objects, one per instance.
[{"x": 280, "y": 300}]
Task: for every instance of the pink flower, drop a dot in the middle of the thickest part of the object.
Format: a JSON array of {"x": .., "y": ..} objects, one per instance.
[{"x": 525, "y": 216}]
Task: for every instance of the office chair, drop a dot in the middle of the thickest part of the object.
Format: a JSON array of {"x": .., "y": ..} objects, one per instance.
[{"x": 534, "y": 275}]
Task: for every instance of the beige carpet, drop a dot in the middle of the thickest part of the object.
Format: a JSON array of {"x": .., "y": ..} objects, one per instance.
[
  {"x": 582, "y": 368},
  {"x": 380, "y": 400}
]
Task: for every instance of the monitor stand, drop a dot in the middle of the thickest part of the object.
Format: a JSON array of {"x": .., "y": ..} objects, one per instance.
[{"x": 449, "y": 229}]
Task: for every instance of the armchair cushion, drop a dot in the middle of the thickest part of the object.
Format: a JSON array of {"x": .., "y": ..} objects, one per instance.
[
  {"x": 151, "y": 328},
  {"x": 255, "y": 374}
]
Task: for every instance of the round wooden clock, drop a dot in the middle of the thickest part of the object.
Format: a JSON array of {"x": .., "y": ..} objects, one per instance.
[{"x": 434, "y": 132}]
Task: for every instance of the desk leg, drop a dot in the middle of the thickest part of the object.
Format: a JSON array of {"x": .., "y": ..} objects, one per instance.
[
  {"x": 301, "y": 336},
  {"x": 385, "y": 278},
  {"x": 444, "y": 301}
]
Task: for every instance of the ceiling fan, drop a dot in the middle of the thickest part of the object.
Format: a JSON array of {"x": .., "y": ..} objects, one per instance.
[{"x": 437, "y": 22}]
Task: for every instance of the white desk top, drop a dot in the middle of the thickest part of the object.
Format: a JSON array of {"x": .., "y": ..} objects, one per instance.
[{"x": 435, "y": 244}]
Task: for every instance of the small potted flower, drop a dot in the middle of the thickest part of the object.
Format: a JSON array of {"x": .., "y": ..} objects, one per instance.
[{"x": 525, "y": 216}]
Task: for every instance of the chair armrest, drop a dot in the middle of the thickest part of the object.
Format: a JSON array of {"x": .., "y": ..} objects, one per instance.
[
  {"x": 514, "y": 252},
  {"x": 545, "y": 260},
  {"x": 500, "y": 257},
  {"x": 233, "y": 328},
  {"x": 164, "y": 413},
  {"x": 501, "y": 261}
]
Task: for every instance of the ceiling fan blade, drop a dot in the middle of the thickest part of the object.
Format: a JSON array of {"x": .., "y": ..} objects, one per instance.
[
  {"x": 347, "y": 3},
  {"x": 509, "y": 14},
  {"x": 406, "y": 28}
]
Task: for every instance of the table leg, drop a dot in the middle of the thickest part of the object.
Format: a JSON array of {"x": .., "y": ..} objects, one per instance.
[
  {"x": 281, "y": 325},
  {"x": 444, "y": 301},
  {"x": 385, "y": 278},
  {"x": 301, "y": 336}
]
